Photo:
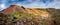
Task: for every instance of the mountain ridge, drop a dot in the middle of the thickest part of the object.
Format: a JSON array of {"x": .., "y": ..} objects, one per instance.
[{"x": 36, "y": 11}]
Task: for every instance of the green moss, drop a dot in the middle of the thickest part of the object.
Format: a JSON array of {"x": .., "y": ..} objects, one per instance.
[{"x": 22, "y": 14}]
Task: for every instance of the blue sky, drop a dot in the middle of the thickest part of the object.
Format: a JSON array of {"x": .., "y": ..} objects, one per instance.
[{"x": 31, "y": 3}]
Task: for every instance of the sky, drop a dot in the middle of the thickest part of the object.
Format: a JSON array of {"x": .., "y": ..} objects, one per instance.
[{"x": 31, "y": 3}]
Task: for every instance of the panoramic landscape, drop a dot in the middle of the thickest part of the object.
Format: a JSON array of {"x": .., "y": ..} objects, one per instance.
[{"x": 29, "y": 12}]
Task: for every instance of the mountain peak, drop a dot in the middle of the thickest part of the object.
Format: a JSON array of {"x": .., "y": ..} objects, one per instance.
[
  {"x": 12, "y": 5},
  {"x": 12, "y": 8},
  {"x": 16, "y": 6}
]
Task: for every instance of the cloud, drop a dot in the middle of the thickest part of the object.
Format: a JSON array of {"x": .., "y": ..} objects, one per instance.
[
  {"x": 2, "y": 6},
  {"x": 48, "y": 4},
  {"x": 33, "y": 3},
  {"x": 45, "y": 1},
  {"x": 42, "y": 4}
]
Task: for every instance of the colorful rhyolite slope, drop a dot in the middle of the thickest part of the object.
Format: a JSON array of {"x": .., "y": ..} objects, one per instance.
[{"x": 36, "y": 11}]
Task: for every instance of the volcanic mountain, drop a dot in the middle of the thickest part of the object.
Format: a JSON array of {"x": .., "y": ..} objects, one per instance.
[
  {"x": 35, "y": 14},
  {"x": 36, "y": 11}
]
